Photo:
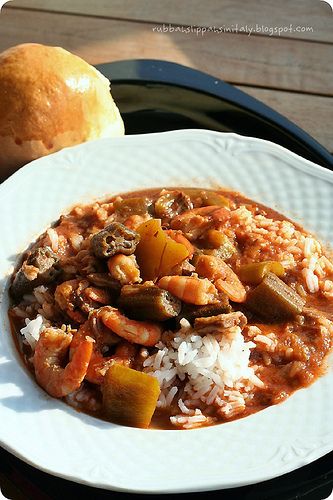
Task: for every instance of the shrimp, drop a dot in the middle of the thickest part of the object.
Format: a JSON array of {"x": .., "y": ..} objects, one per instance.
[
  {"x": 139, "y": 332},
  {"x": 65, "y": 297},
  {"x": 194, "y": 223},
  {"x": 124, "y": 269},
  {"x": 103, "y": 338},
  {"x": 51, "y": 348},
  {"x": 222, "y": 275},
  {"x": 190, "y": 289},
  {"x": 97, "y": 295},
  {"x": 99, "y": 364},
  {"x": 76, "y": 298}
]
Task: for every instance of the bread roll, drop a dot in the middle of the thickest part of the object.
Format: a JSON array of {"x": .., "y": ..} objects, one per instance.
[{"x": 50, "y": 99}]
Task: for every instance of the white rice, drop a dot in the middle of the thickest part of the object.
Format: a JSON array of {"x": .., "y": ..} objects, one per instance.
[
  {"x": 211, "y": 367},
  {"x": 328, "y": 288},
  {"x": 311, "y": 280},
  {"x": 32, "y": 330},
  {"x": 269, "y": 342},
  {"x": 311, "y": 246},
  {"x": 39, "y": 293},
  {"x": 76, "y": 241},
  {"x": 280, "y": 240},
  {"x": 190, "y": 421},
  {"x": 184, "y": 409},
  {"x": 53, "y": 235}
]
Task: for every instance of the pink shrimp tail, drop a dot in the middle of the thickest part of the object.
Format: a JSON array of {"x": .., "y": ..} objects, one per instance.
[
  {"x": 51, "y": 347},
  {"x": 145, "y": 333}
]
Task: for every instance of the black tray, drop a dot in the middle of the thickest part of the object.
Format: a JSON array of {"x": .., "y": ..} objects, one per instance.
[{"x": 155, "y": 96}]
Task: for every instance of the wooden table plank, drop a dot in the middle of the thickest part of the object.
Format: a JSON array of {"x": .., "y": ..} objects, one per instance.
[
  {"x": 270, "y": 13},
  {"x": 266, "y": 62},
  {"x": 276, "y": 62},
  {"x": 312, "y": 113}
]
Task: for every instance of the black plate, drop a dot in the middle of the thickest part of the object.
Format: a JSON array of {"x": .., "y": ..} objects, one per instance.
[{"x": 155, "y": 96}]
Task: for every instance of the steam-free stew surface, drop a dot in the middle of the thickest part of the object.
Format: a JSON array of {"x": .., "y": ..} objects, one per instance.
[{"x": 124, "y": 272}]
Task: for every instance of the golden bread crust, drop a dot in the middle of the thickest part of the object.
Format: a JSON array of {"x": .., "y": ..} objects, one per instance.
[{"x": 50, "y": 99}]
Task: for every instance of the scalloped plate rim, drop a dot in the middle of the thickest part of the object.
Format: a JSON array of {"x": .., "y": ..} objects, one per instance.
[{"x": 254, "y": 145}]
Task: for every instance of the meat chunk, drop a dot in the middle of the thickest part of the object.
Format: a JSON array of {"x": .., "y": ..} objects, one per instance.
[
  {"x": 40, "y": 268},
  {"x": 191, "y": 312},
  {"x": 172, "y": 203},
  {"x": 220, "y": 322}
]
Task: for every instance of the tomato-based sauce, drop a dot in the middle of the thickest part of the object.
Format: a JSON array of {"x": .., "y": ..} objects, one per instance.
[{"x": 174, "y": 308}]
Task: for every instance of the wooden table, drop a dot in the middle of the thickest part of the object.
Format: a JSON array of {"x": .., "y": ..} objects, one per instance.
[
  {"x": 286, "y": 61},
  {"x": 280, "y": 52}
]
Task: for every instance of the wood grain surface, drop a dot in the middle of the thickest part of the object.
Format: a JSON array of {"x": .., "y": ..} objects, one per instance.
[
  {"x": 293, "y": 74},
  {"x": 271, "y": 13},
  {"x": 259, "y": 61},
  {"x": 312, "y": 113}
]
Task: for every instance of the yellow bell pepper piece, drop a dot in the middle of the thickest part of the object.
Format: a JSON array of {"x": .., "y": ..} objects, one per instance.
[
  {"x": 129, "y": 396},
  {"x": 253, "y": 274},
  {"x": 156, "y": 252}
]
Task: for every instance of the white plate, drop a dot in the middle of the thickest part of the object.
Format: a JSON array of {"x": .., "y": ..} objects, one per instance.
[{"x": 55, "y": 438}]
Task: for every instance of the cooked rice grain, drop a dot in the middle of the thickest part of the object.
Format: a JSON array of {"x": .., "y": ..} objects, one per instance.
[{"x": 206, "y": 366}]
